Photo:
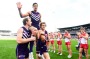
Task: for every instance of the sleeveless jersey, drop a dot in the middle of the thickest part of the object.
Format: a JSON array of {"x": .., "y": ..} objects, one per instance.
[
  {"x": 83, "y": 40},
  {"x": 58, "y": 37},
  {"x": 66, "y": 39},
  {"x": 26, "y": 34},
  {"x": 35, "y": 18},
  {"x": 40, "y": 42}
]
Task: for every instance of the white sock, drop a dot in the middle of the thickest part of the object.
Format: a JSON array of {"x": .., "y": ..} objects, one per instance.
[{"x": 31, "y": 55}]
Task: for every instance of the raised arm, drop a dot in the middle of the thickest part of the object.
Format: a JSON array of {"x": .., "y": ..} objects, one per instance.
[
  {"x": 20, "y": 40},
  {"x": 19, "y": 6}
]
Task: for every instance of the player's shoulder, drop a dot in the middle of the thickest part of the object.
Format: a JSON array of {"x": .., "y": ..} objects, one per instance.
[
  {"x": 39, "y": 30},
  {"x": 20, "y": 29},
  {"x": 29, "y": 12}
]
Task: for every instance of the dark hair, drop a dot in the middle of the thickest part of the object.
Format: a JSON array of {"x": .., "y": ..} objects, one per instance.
[
  {"x": 25, "y": 20},
  {"x": 35, "y": 3},
  {"x": 42, "y": 23}
]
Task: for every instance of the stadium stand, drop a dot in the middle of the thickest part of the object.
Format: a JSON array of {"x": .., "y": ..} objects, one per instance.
[
  {"x": 7, "y": 34},
  {"x": 74, "y": 29}
]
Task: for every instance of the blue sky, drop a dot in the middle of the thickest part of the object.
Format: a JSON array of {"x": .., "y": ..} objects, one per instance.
[{"x": 56, "y": 13}]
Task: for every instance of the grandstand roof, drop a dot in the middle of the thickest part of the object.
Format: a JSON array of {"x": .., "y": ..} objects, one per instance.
[
  {"x": 87, "y": 26},
  {"x": 5, "y": 31}
]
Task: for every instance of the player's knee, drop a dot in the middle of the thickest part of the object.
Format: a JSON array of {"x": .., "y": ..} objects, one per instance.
[
  {"x": 85, "y": 52},
  {"x": 48, "y": 58},
  {"x": 80, "y": 52}
]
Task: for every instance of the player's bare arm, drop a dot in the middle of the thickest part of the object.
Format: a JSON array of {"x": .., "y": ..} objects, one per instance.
[
  {"x": 40, "y": 18},
  {"x": 69, "y": 36},
  {"x": 86, "y": 36},
  {"x": 20, "y": 40},
  {"x": 19, "y": 6},
  {"x": 61, "y": 36},
  {"x": 42, "y": 35}
]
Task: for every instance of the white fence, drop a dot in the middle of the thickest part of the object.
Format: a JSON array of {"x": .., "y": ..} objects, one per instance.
[{"x": 7, "y": 37}]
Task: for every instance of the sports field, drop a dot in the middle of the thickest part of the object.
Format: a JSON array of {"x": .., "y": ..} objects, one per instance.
[{"x": 7, "y": 50}]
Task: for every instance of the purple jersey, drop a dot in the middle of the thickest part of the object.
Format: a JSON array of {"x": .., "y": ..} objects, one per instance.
[
  {"x": 46, "y": 36},
  {"x": 26, "y": 34},
  {"x": 41, "y": 46},
  {"x": 22, "y": 50},
  {"x": 35, "y": 18}
]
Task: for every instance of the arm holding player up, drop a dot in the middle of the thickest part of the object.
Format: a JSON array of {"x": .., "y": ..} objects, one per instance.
[
  {"x": 19, "y": 6},
  {"x": 20, "y": 40},
  {"x": 41, "y": 35}
]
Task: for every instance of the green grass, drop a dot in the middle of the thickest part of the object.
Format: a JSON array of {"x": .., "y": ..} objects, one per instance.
[
  {"x": 65, "y": 53},
  {"x": 7, "y": 50}
]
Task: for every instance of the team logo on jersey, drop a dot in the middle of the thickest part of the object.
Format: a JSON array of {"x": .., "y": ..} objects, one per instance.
[{"x": 35, "y": 16}]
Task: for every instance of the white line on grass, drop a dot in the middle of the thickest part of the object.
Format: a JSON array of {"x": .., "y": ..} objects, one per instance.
[
  {"x": 67, "y": 51},
  {"x": 72, "y": 52}
]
